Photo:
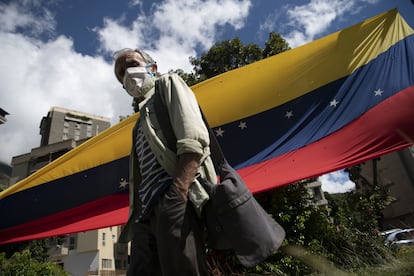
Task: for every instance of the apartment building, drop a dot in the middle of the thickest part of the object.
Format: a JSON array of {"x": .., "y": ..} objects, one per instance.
[
  {"x": 88, "y": 253},
  {"x": 62, "y": 124},
  {"x": 91, "y": 253}
]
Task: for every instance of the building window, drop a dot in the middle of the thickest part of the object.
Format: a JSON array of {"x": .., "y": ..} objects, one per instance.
[
  {"x": 71, "y": 242},
  {"x": 77, "y": 126},
  {"x": 88, "y": 133},
  {"x": 106, "y": 263},
  {"x": 103, "y": 239},
  {"x": 317, "y": 193}
]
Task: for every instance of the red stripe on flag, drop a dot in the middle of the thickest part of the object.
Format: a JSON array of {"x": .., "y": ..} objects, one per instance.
[
  {"x": 105, "y": 212},
  {"x": 385, "y": 128}
]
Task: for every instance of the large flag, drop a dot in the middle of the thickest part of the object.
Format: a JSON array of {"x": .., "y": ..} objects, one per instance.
[{"x": 330, "y": 104}]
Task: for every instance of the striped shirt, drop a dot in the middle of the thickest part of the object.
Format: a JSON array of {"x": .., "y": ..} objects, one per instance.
[{"x": 155, "y": 180}]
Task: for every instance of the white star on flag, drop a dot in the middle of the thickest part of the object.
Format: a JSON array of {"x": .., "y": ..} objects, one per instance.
[
  {"x": 334, "y": 103},
  {"x": 123, "y": 183},
  {"x": 219, "y": 132},
  {"x": 242, "y": 125},
  {"x": 289, "y": 114},
  {"x": 378, "y": 92}
]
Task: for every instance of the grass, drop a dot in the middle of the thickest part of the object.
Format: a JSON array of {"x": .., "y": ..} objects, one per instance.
[{"x": 401, "y": 265}]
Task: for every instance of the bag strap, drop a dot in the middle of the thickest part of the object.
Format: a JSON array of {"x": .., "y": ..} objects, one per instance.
[
  {"x": 217, "y": 154},
  {"x": 164, "y": 121}
]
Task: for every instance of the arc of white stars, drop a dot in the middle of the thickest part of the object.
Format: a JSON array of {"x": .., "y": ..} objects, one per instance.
[
  {"x": 289, "y": 114},
  {"x": 334, "y": 103},
  {"x": 219, "y": 132},
  {"x": 242, "y": 125},
  {"x": 378, "y": 92}
]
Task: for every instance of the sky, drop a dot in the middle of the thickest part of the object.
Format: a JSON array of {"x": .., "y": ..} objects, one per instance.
[{"x": 59, "y": 53}]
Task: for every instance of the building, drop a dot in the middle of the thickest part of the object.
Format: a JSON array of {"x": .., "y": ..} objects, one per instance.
[
  {"x": 5, "y": 172},
  {"x": 91, "y": 253},
  {"x": 3, "y": 114},
  {"x": 61, "y": 130},
  {"x": 62, "y": 124},
  {"x": 395, "y": 170},
  {"x": 88, "y": 253},
  {"x": 315, "y": 190},
  {"x": 25, "y": 164}
]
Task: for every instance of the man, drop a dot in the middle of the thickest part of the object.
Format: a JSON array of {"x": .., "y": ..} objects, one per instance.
[{"x": 165, "y": 198}]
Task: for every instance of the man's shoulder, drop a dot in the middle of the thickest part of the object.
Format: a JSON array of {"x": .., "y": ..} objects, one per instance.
[{"x": 169, "y": 77}]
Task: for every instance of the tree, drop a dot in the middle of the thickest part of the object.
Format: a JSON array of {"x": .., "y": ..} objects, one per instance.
[
  {"x": 274, "y": 45},
  {"x": 38, "y": 249},
  {"x": 224, "y": 56},
  {"x": 22, "y": 264},
  {"x": 366, "y": 204}
]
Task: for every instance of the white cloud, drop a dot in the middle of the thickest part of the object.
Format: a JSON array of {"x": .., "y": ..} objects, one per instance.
[
  {"x": 336, "y": 182},
  {"x": 37, "y": 74},
  {"x": 174, "y": 29},
  {"x": 312, "y": 20},
  {"x": 15, "y": 16}
]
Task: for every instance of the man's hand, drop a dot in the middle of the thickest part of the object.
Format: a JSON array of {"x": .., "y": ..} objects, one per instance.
[{"x": 188, "y": 164}]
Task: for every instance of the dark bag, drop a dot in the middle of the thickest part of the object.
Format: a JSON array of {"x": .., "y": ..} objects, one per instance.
[
  {"x": 233, "y": 217},
  {"x": 235, "y": 220}
]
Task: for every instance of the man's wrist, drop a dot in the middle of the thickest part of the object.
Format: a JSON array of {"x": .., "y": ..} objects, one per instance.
[{"x": 187, "y": 168}]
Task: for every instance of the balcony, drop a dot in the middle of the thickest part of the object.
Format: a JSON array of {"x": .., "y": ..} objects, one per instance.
[{"x": 58, "y": 251}]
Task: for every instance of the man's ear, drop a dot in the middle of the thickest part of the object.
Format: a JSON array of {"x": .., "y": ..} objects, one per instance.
[{"x": 154, "y": 67}]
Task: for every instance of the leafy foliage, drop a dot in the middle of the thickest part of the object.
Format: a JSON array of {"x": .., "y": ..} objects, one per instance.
[
  {"x": 325, "y": 239},
  {"x": 231, "y": 54},
  {"x": 274, "y": 45},
  {"x": 22, "y": 264},
  {"x": 224, "y": 56},
  {"x": 366, "y": 205},
  {"x": 38, "y": 249}
]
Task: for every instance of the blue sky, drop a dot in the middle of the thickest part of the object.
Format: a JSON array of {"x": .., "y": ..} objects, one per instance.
[{"x": 58, "y": 53}]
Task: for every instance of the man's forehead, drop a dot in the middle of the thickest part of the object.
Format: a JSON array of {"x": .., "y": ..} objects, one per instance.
[{"x": 136, "y": 55}]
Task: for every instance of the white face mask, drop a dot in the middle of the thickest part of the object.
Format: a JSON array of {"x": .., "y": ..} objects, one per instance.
[{"x": 138, "y": 81}]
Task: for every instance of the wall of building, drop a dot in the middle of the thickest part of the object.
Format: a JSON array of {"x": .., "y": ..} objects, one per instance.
[
  {"x": 397, "y": 169},
  {"x": 107, "y": 239},
  {"x": 87, "y": 241},
  {"x": 79, "y": 264}
]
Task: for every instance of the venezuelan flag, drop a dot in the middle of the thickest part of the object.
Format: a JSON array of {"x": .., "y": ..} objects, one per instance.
[{"x": 330, "y": 104}]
